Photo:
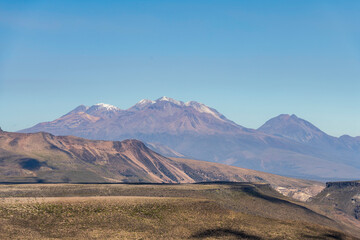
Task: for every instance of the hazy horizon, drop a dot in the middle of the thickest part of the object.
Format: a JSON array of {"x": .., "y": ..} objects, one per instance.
[{"x": 251, "y": 61}]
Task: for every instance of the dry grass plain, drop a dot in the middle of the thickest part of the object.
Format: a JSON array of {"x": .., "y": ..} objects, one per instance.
[{"x": 186, "y": 211}]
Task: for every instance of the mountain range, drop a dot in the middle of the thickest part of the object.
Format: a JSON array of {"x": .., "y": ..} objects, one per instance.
[
  {"x": 285, "y": 145},
  {"x": 43, "y": 157}
]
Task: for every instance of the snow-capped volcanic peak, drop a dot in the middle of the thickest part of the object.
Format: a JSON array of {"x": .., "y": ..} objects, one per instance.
[
  {"x": 107, "y": 106},
  {"x": 200, "y": 107},
  {"x": 142, "y": 104},
  {"x": 167, "y": 99},
  {"x": 103, "y": 110},
  {"x": 145, "y": 101}
]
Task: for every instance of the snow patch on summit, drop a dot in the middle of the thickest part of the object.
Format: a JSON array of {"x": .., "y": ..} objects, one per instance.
[
  {"x": 107, "y": 106},
  {"x": 200, "y": 107},
  {"x": 145, "y": 101},
  {"x": 142, "y": 104},
  {"x": 167, "y": 99}
]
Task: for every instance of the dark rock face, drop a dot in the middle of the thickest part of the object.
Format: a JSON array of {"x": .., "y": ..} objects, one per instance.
[
  {"x": 357, "y": 211},
  {"x": 30, "y": 164},
  {"x": 343, "y": 184},
  {"x": 343, "y": 196}
]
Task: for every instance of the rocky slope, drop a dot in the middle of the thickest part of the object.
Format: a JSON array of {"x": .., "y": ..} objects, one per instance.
[
  {"x": 341, "y": 202},
  {"x": 43, "y": 157},
  {"x": 342, "y": 196}
]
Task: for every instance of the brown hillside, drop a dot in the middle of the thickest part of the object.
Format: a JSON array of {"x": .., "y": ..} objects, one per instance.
[{"x": 42, "y": 157}]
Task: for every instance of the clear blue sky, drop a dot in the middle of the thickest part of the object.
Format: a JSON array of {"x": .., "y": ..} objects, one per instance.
[{"x": 251, "y": 60}]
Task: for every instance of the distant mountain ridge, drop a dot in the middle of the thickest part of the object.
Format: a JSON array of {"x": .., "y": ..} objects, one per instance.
[
  {"x": 146, "y": 116},
  {"x": 292, "y": 127},
  {"x": 285, "y": 145},
  {"x": 300, "y": 130}
]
